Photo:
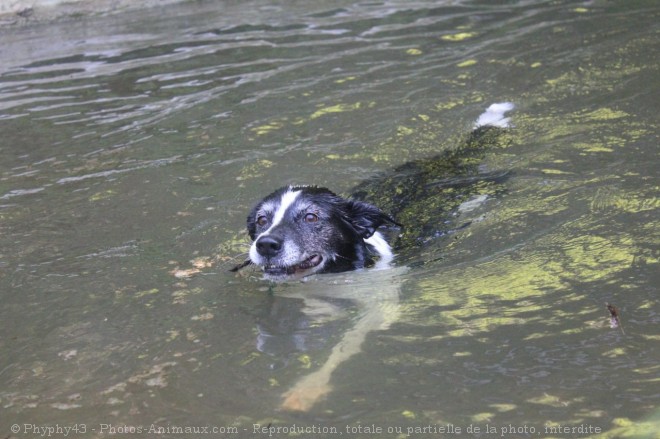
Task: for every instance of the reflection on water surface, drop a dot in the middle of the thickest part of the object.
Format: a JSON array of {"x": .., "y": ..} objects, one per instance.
[{"x": 134, "y": 146}]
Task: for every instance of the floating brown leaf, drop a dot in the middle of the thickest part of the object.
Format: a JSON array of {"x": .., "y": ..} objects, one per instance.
[{"x": 615, "y": 318}]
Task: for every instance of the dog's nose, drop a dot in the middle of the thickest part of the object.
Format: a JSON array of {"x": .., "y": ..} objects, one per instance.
[{"x": 269, "y": 246}]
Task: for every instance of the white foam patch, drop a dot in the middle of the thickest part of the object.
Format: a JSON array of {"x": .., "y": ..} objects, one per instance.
[
  {"x": 494, "y": 115},
  {"x": 472, "y": 204}
]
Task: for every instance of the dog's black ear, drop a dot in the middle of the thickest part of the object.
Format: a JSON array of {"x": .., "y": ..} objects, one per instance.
[{"x": 366, "y": 218}]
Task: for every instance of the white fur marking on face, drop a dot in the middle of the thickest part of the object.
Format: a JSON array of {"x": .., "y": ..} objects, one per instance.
[{"x": 287, "y": 199}]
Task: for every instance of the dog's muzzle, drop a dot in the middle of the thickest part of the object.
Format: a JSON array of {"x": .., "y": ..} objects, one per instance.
[{"x": 271, "y": 249}]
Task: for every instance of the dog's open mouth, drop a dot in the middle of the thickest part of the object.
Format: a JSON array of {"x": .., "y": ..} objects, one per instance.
[{"x": 309, "y": 263}]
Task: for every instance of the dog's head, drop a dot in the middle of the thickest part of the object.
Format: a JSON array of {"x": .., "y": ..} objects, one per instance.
[{"x": 301, "y": 230}]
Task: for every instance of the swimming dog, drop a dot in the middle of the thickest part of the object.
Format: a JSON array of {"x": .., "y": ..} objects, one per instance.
[
  {"x": 298, "y": 231},
  {"x": 302, "y": 230}
]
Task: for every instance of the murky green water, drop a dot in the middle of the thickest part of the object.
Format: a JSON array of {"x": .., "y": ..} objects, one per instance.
[{"x": 133, "y": 146}]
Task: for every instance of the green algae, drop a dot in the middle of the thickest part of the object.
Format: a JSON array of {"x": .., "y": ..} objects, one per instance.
[
  {"x": 338, "y": 108},
  {"x": 460, "y": 36},
  {"x": 254, "y": 170}
]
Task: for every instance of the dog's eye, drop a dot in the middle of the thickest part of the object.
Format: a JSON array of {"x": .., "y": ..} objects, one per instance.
[
  {"x": 311, "y": 218},
  {"x": 262, "y": 221}
]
